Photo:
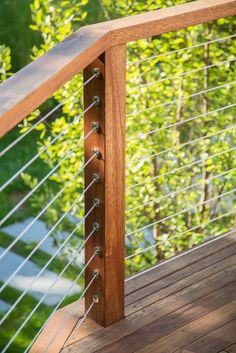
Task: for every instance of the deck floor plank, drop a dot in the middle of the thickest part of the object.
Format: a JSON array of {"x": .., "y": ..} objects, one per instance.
[
  {"x": 167, "y": 325},
  {"x": 215, "y": 342},
  {"x": 189, "y": 308},
  {"x": 156, "y": 311},
  {"x": 156, "y": 274},
  {"x": 169, "y": 285},
  {"x": 162, "y": 308},
  {"x": 171, "y": 301},
  {"x": 197, "y": 328}
]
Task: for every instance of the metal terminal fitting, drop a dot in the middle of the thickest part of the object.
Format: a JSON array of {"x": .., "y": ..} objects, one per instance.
[
  {"x": 96, "y": 226},
  {"x": 97, "y": 72},
  {"x": 98, "y": 250},
  {"x": 96, "y": 126},
  {"x": 95, "y": 298},
  {"x": 96, "y": 273},
  {"x": 96, "y": 177},
  {"x": 96, "y": 202},
  {"x": 96, "y": 100},
  {"x": 96, "y": 151}
]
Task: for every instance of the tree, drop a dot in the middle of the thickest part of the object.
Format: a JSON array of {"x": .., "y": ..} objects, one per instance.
[
  {"x": 5, "y": 62},
  {"x": 151, "y": 87}
]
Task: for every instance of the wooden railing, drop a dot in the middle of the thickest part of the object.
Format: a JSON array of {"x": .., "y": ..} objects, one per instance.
[
  {"x": 101, "y": 47},
  {"x": 32, "y": 85}
]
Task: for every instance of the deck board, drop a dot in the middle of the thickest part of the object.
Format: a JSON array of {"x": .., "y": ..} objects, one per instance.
[
  {"x": 189, "y": 308},
  {"x": 218, "y": 340}
]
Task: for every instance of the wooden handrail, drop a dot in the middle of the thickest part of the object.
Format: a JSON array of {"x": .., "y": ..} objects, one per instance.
[
  {"x": 100, "y": 46},
  {"x": 31, "y": 86}
]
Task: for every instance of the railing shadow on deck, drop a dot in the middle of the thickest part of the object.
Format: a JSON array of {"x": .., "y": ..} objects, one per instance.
[{"x": 92, "y": 170}]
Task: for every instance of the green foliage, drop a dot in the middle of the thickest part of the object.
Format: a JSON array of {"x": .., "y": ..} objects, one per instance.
[
  {"x": 55, "y": 20},
  {"x": 10, "y": 163},
  {"x": 15, "y": 319},
  {"x": 154, "y": 112},
  {"x": 40, "y": 258},
  {"x": 5, "y": 62},
  {"x": 15, "y": 17},
  {"x": 156, "y": 199},
  {"x": 161, "y": 83}
]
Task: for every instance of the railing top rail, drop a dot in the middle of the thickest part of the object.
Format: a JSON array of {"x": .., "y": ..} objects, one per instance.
[{"x": 31, "y": 86}]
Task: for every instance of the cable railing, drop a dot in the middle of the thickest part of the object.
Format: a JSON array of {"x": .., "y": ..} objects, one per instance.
[
  {"x": 76, "y": 224},
  {"x": 176, "y": 170},
  {"x": 193, "y": 95},
  {"x": 46, "y": 116},
  {"x": 151, "y": 247},
  {"x": 143, "y": 135},
  {"x": 180, "y": 174},
  {"x": 176, "y": 191},
  {"x": 169, "y": 78},
  {"x": 144, "y": 159},
  {"x": 171, "y": 194},
  {"x": 152, "y": 57},
  {"x": 180, "y": 213}
]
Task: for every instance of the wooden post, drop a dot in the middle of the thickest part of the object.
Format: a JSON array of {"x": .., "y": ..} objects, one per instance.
[{"x": 110, "y": 190}]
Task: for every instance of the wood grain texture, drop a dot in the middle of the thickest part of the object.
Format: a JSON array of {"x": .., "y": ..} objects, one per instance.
[
  {"x": 118, "y": 335},
  {"x": 110, "y": 167},
  {"x": 178, "y": 282},
  {"x": 31, "y": 86},
  {"x": 96, "y": 140},
  {"x": 220, "y": 340},
  {"x": 180, "y": 312},
  {"x": 59, "y": 319},
  {"x": 197, "y": 328},
  {"x": 180, "y": 264},
  {"x": 178, "y": 287}
]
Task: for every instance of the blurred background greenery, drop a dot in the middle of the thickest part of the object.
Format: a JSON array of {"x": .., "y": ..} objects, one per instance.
[{"x": 29, "y": 28}]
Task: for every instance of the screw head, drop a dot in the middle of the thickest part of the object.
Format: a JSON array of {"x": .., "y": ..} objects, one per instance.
[
  {"x": 96, "y": 202},
  {"x": 96, "y": 100},
  {"x": 96, "y": 226},
  {"x": 96, "y": 152},
  {"x": 96, "y": 273},
  {"x": 96, "y": 298},
  {"x": 96, "y": 177},
  {"x": 98, "y": 250},
  {"x": 97, "y": 72},
  {"x": 96, "y": 126}
]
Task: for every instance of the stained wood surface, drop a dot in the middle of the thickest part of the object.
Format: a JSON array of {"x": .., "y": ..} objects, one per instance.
[
  {"x": 63, "y": 321},
  {"x": 110, "y": 166},
  {"x": 31, "y": 86},
  {"x": 189, "y": 307}
]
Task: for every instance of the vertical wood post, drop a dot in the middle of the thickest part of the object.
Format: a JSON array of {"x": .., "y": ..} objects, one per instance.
[{"x": 110, "y": 190}]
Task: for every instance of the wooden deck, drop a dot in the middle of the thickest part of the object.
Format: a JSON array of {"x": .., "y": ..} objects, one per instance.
[{"x": 187, "y": 305}]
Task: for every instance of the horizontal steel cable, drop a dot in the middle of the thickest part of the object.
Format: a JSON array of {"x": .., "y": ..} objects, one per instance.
[
  {"x": 179, "y": 235},
  {"x": 19, "y": 236},
  {"x": 4, "y": 219},
  {"x": 175, "y": 170},
  {"x": 186, "y": 73},
  {"x": 68, "y": 316},
  {"x": 180, "y": 255},
  {"x": 143, "y": 135},
  {"x": 202, "y": 138},
  {"x": 171, "y": 194},
  {"x": 180, "y": 50},
  {"x": 176, "y": 100},
  {"x": 180, "y": 212},
  {"x": 43, "y": 297},
  {"x": 49, "y": 261},
  {"x": 45, "y": 237},
  {"x": 44, "y": 118},
  {"x": 41, "y": 151}
]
